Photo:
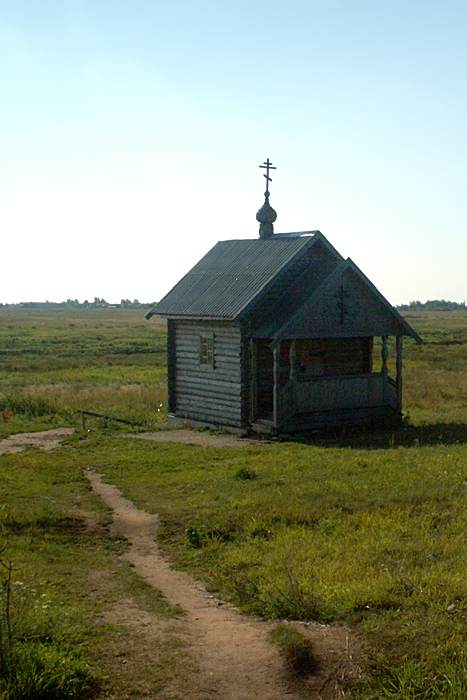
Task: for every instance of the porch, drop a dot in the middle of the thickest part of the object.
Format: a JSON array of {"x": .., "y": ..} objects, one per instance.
[{"x": 316, "y": 383}]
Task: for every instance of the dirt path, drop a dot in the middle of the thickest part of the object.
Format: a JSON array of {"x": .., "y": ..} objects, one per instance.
[
  {"x": 233, "y": 651},
  {"x": 44, "y": 440},
  {"x": 195, "y": 437}
]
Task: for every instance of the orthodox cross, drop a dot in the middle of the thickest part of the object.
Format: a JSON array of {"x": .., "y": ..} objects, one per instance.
[
  {"x": 341, "y": 295},
  {"x": 268, "y": 166}
]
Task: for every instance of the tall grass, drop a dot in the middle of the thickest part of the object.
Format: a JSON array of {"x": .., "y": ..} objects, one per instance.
[
  {"x": 55, "y": 363},
  {"x": 39, "y": 654}
]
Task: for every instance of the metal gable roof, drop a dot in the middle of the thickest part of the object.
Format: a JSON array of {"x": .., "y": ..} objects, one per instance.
[{"x": 230, "y": 276}]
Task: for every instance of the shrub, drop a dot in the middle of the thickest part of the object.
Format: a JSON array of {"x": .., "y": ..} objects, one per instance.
[
  {"x": 27, "y": 405},
  {"x": 245, "y": 474},
  {"x": 193, "y": 537}
]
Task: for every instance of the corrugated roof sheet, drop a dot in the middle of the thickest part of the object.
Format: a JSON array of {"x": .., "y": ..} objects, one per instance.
[{"x": 229, "y": 277}]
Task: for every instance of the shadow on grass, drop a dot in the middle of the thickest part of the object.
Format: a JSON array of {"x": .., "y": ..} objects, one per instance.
[{"x": 405, "y": 436}]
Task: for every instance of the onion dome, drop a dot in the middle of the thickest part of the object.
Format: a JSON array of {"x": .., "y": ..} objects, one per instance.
[{"x": 266, "y": 217}]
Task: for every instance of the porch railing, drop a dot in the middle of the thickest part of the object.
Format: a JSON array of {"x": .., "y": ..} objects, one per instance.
[{"x": 337, "y": 393}]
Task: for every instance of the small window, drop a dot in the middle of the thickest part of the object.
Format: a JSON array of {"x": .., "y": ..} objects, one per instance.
[{"x": 206, "y": 350}]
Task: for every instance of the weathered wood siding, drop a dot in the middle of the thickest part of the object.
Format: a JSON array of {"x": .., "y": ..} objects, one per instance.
[
  {"x": 333, "y": 393},
  {"x": 205, "y": 393},
  {"x": 346, "y": 308}
]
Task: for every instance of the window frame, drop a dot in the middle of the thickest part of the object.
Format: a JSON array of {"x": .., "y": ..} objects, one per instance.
[{"x": 206, "y": 354}]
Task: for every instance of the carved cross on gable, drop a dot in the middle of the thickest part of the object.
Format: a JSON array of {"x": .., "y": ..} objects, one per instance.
[{"x": 341, "y": 297}]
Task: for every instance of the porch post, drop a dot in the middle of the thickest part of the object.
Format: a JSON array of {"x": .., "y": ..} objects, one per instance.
[
  {"x": 399, "y": 340},
  {"x": 384, "y": 355},
  {"x": 276, "y": 397},
  {"x": 384, "y": 366},
  {"x": 253, "y": 380},
  {"x": 293, "y": 360}
]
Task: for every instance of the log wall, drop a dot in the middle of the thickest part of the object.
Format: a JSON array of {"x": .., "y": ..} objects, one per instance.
[{"x": 202, "y": 392}]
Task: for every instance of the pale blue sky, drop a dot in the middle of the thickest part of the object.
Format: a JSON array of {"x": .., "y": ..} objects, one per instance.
[{"x": 131, "y": 132}]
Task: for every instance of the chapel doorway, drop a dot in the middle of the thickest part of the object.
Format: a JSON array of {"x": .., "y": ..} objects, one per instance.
[{"x": 264, "y": 379}]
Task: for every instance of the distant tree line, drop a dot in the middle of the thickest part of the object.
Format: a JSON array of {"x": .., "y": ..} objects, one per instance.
[
  {"x": 97, "y": 303},
  {"x": 101, "y": 303},
  {"x": 433, "y": 305}
]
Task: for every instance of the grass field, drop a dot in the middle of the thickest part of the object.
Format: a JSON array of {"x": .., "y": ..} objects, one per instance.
[
  {"x": 366, "y": 530},
  {"x": 54, "y": 363}
]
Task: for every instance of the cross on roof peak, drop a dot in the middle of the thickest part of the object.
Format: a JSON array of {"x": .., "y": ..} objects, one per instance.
[
  {"x": 266, "y": 215},
  {"x": 267, "y": 165}
]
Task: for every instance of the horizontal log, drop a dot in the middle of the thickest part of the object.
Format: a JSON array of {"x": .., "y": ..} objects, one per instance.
[
  {"x": 210, "y": 402},
  {"x": 219, "y": 348},
  {"x": 232, "y": 331},
  {"x": 215, "y": 408},
  {"x": 222, "y": 361},
  {"x": 219, "y": 413},
  {"x": 222, "y": 346},
  {"x": 222, "y": 389},
  {"x": 211, "y": 379},
  {"x": 230, "y": 374},
  {"x": 199, "y": 394},
  {"x": 203, "y": 412},
  {"x": 219, "y": 360},
  {"x": 216, "y": 325},
  {"x": 227, "y": 353},
  {"x": 227, "y": 388},
  {"x": 194, "y": 357},
  {"x": 195, "y": 332},
  {"x": 208, "y": 416},
  {"x": 231, "y": 404}
]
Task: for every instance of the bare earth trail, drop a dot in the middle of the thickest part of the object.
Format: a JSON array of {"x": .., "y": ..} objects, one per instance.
[
  {"x": 43, "y": 439},
  {"x": 236, "y": 658}
]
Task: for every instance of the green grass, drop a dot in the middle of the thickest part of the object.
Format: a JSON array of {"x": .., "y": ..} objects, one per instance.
[
  {"x": 365, "y": 529},
  {"x": 436, "y": 372},
  {"x": 55, "y": 363},
  {"x": 372, "y": 537},
  {"x": 112, "y": 361},
  {"x": 67, "y": 576}
]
